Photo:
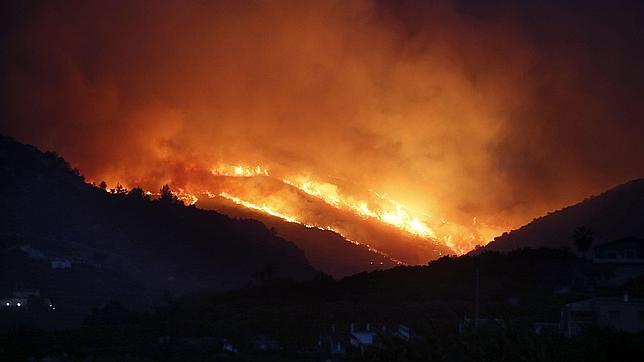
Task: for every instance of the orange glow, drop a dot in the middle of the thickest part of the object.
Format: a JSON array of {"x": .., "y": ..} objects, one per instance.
[
  {"x": 390, "y": 211},
  {"x": 396, "y": 139},
  {"x": 185, "y": 197},
  {"x": 262, "y": 208},
  {"x": 339, "y": 209},
  {"x": 368, "y": 205},
  {"x": 268, "y": 210},
  {"x": 239, "y": 171}
]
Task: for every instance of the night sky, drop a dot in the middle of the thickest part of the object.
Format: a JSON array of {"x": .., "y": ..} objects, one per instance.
[{"x": 498, "y": 110}]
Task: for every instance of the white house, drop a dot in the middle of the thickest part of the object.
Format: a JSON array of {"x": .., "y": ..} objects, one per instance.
[{"x": 624, "y": 314}]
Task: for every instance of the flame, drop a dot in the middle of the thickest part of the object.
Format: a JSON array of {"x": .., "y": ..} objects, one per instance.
[
  {"x": 391, "y": 212},
  {"x": 367, "y": 205},
  {"x": 185, "y": 197},
  {"x": 239, "y": 171},
  {"x": 270, "y": 211},
  {"x": 263, "y": 207}
]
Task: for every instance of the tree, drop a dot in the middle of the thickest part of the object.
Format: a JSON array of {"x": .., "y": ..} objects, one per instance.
[
  {"x": 167, "y": 195},
  {"x": 583, "y": 239},
  {"x": 120, "y": 190},
  {"x": 137, "y": 193},
  {"x": 103, "y": 185}
]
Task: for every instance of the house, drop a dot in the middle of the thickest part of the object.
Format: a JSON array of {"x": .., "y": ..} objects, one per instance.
[
  {"x": 624, "y": 314},
  {"x": 362, "y": 338},
  {"x": 228, "y": 346},
  {"x": 623, "y": 259},
  {"x": 403, "y": 332},
  {"x": 21, "y": 299},
  {"x": 625, "y": 250},
  {"x": 336, "y": 342},
  {"x": 13, "y": 302}
]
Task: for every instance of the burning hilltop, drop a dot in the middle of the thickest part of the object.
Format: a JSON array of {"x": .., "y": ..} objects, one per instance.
[{"x": 365, "y": 217}]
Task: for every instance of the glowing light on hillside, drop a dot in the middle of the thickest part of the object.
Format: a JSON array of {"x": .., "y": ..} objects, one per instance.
[
  {"x": 390, "y": 212},
  {"x": 239, "y": 171},
  {"x": 262, "y": 208},
  {"x": 186, "y": 198},
  {"x": 366, "y": 205},
  {"x": 289, "y": 218}
]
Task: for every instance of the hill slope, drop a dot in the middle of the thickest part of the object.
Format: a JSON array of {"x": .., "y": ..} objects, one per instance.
[
  {"x": 617, "y": 213},
  {"x": 120, "y": 246},
  {"x": 326, "y": 250}
]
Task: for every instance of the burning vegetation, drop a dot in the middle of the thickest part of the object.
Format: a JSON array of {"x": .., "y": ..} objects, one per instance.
[{"x": 362, "y": 217}]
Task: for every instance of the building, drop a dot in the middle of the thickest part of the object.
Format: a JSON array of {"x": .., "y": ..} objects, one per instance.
[
  {"x": 21, "y": 299},
  {"x": 228, "y": 346},
  {"x": 625, "y": 250},
  {"x": 403, "y": 332},
  {"x": 362, "y": 338},
  {"x": 623, "y": 260},
  {"x": 624, "y": 314},
  {"x": 13, "y": 302}
]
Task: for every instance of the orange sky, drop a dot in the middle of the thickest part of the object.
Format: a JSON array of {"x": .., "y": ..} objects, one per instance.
[{"x": 497, "y": 112}]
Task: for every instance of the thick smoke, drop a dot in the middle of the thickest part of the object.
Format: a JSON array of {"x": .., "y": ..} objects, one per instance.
[{"x": 499, "y": 111}]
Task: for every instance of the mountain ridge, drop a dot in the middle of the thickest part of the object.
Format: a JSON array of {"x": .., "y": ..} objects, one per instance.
[
  {"x": 122, "y": 246},
  {"x": 615, "y": 213}
]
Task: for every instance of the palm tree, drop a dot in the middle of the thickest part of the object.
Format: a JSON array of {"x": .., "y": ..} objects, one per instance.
[{"x": 583, "y": 239}]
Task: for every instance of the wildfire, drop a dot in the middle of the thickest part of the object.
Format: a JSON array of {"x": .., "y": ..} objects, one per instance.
[
  {"x": 367, "y": 205},
  {"x": 239, "y": 171},
  {"x": 390, "y": 212},
  {"x": 268, "y": 210},
  {"x": 186, "y": 198},
  {"x": 263, "y": 208}
]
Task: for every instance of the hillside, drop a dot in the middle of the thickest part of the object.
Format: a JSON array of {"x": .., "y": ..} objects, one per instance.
[
  {"x": 615, "y": 214},
  {"x": 121, "y": 246},
  {"x": 326, "y": 250},
  {"x": 288, "y": 200}
]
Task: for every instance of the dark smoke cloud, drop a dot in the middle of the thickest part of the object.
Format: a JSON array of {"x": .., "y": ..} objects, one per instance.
[{"x": 501, "y": 110}]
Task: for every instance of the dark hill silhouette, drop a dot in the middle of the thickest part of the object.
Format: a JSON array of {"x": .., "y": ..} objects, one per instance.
[
  {"x": 326, "y": 250},
  {"x": 122, "y": 246},
  {"x": 615, "y": 214}
]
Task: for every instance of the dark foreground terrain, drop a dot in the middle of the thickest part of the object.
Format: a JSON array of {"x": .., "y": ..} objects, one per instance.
[{"x": 312, "y": 320}]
